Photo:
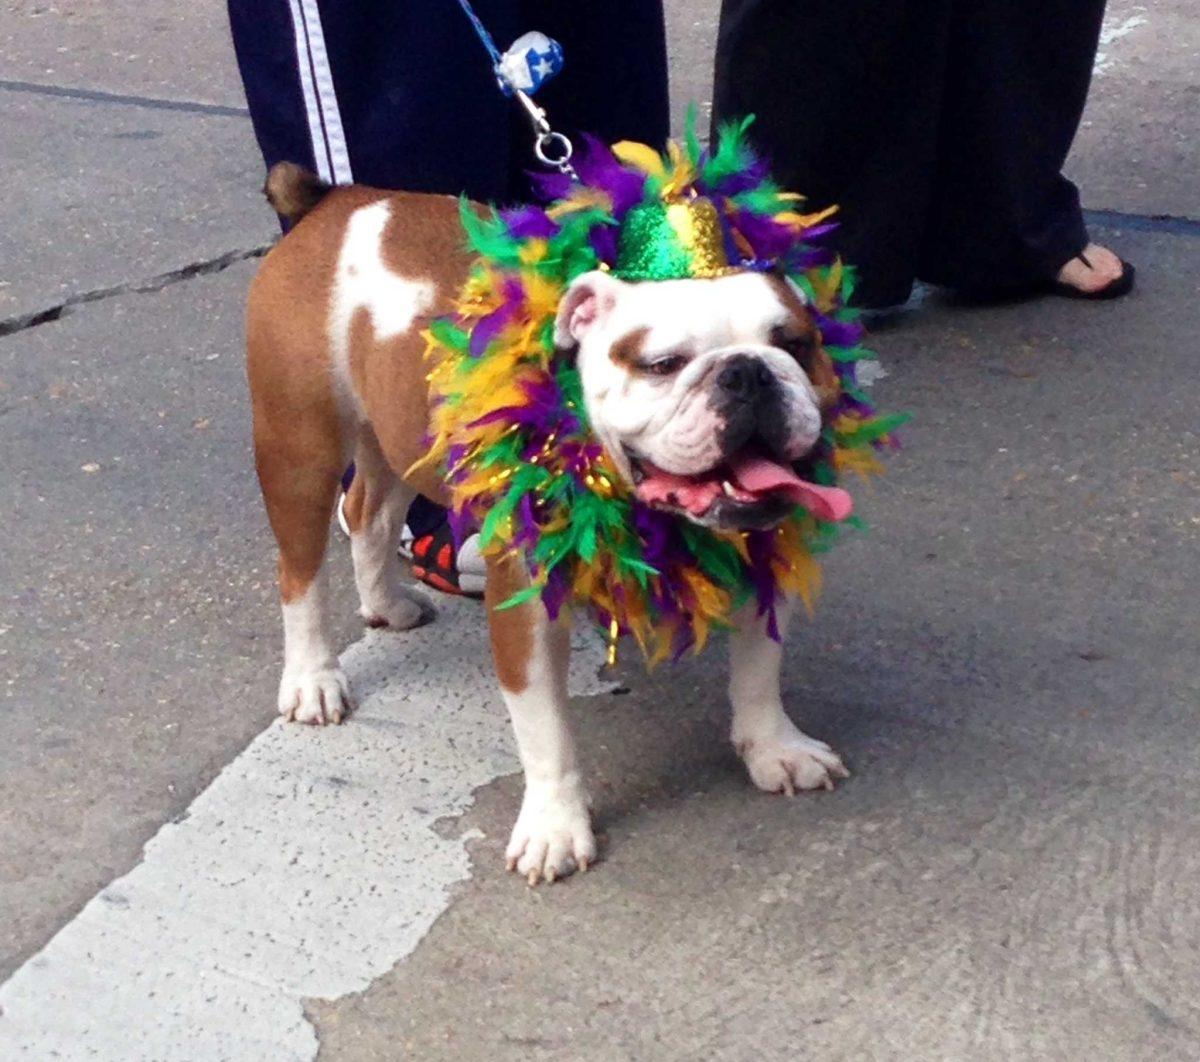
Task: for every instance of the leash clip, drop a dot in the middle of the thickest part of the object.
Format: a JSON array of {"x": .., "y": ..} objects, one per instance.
[{"x": 552, "y": 148}]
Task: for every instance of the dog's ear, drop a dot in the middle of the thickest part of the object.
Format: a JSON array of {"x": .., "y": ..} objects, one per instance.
[{"x": 586, "y": 304}]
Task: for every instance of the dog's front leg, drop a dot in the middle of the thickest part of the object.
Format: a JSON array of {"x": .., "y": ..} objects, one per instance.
[
  {"x": 553, "y": 834},
  {"x": 780, "y": 757}
]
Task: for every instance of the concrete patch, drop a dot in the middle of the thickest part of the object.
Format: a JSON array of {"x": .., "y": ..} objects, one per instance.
[
  {"x": 1116, "y": 27},
  {"x": 308, "y": 868}
]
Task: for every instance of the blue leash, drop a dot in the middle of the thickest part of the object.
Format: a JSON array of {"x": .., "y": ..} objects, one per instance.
[{"x": 482, "y": 30}]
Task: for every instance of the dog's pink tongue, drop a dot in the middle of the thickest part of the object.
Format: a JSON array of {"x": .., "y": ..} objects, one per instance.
[
  {"x": 666, "y": 488},
  {"x": 760, "y": 475}
]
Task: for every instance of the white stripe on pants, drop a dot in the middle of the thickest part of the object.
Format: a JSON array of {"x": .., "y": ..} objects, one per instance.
[{"x": 320, "y": 99}]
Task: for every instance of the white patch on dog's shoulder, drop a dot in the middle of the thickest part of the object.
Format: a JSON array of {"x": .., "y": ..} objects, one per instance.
[{"x": 363, "y": 280}]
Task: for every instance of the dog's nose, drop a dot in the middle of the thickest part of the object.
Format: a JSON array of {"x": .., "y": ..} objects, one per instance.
[{"x": 744, "y": 377}]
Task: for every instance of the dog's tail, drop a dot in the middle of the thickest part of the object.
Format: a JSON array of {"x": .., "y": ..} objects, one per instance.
[{"x": 293, "y": 191}]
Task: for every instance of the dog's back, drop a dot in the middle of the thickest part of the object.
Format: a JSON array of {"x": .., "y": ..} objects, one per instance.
[{"x": 335, "y": 316}]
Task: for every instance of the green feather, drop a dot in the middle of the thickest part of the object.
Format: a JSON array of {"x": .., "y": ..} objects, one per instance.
[
  {"x": 856, "y": 353},
  {"x": 519, "y": 598},
  {"x": 488, "y": 236},
  {"x": 732, "y": 154},
  {"x": 716, "y": 557},
  {"x": 448, "y": 334},
  {"x": 849, "y": 282},
  {"x": 762, "y": 200}
]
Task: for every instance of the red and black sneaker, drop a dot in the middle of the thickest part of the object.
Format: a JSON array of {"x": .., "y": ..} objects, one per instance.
[{"x": 436, "y": 563}]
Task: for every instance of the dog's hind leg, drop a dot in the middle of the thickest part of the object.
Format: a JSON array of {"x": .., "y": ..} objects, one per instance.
[
  {"x": 301, "y": 450},
  {"x": 780, "y": 757},
  {"x": 376, "y": 506},
  {"x": 553, "y": 833}
]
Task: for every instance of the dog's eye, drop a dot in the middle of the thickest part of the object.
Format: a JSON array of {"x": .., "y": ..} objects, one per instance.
[
  {"x": 802, "y": 348},
  {"x": 667, "y": 366}
]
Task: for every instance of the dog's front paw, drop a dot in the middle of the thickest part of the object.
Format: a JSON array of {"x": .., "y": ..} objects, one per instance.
[
  {"x": 316, "y": 696},
  {"x": 402, "y": 610},
  {"x": 553, "y": 835},
  {"x": 788, "y": 759}
]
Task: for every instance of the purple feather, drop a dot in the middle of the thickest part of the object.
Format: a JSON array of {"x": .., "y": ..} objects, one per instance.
[
  {"x": 489, "y": 327},
  {"x": 554, "y": 593},
  {"x": 683, "y": 641},
  {"x": 817, "y": 231},
  {"x": 656, "y": 531},
  {"x": 839, "y": 333},
  {"x": 600, "y": 168},
  {"x": 547, "y": 187},
  {"x": 762, "y": 579},
  {"x": 768, "y": 237},
  {"x": 603, "y": 239},
  {"x": 462, "y": 526},
  {"x": 529, "y": 222}
]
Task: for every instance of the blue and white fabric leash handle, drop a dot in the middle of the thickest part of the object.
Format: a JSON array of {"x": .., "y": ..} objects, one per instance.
[{"x": 530, "y": 61}]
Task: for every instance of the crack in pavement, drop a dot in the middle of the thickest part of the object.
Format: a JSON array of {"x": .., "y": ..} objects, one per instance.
[
  {"x": 1166, "y": 223},
  {"x": 22, "y": 322},
  {"x": 1171, "y": 224},
  {"x": 97, "y": 96}
]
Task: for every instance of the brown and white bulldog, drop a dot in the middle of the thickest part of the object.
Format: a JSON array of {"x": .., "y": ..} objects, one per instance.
[{"x": 707, "y": 395}]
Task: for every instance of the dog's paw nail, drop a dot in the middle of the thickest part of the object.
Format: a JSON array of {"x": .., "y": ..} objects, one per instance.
[
  {"x": 791, "y": 761},
  {"x": 320, "y": 697},
  {"x": 552, "y": 837}
]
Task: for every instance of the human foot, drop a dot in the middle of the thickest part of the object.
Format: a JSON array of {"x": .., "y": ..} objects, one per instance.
[{"x": 1095, "y": 273}]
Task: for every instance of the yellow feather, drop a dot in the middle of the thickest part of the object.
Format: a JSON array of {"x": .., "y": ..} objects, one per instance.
[
  {"x": 682, "y": 173},
  {"x": 826, "y": 287},
  {"x": 533, "y": 250},
  {"x": 804, "y": 221},
  {"x": 862, "y": 462},
  {"x": 640, "y": 156},
  {"x": 585, "y": 199}
]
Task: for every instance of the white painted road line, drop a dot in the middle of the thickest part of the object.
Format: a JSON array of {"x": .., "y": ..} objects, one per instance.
[{"x": 307, "y": 869}]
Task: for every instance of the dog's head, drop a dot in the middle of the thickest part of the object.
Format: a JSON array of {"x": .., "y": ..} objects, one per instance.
[{"x": 707, "y": 394}]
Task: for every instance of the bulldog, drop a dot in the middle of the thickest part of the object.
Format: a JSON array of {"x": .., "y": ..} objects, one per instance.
[{"x": 707, "y": 395}]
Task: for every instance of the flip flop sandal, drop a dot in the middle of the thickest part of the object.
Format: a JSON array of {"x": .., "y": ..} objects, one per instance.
[{"x": 1114, "y": 289}]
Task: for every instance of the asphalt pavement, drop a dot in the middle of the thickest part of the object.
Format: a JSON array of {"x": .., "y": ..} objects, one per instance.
[{"x": 1009, "y": 660}]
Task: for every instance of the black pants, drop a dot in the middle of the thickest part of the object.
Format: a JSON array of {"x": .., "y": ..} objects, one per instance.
[
  {"x": 400, "y": 94},
  {"x": 939, "y": 126}
]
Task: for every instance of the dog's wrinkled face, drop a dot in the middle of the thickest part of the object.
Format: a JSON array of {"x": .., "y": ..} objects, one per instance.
[{"x": 707, "y": 394}]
